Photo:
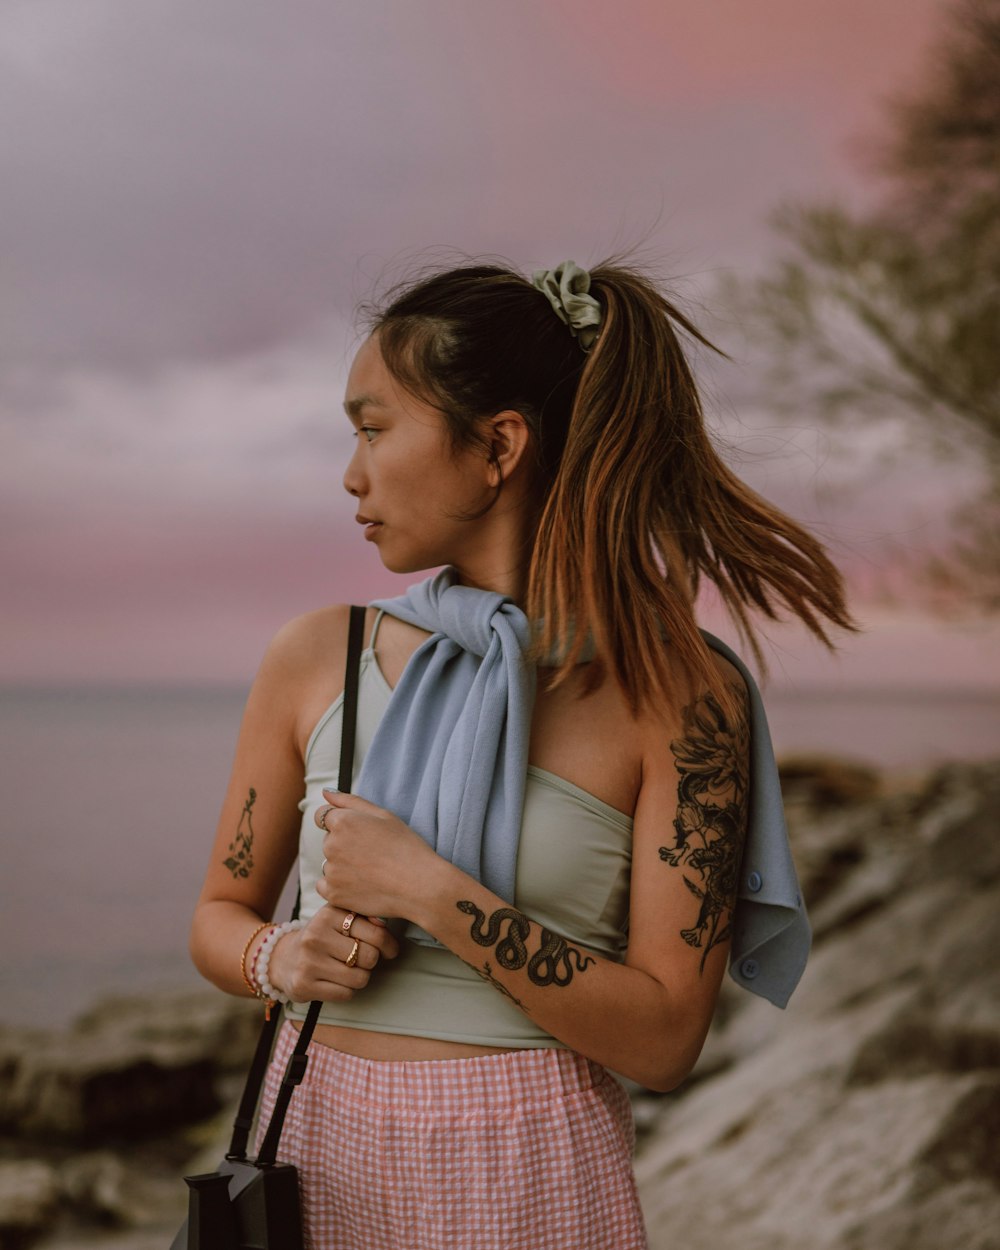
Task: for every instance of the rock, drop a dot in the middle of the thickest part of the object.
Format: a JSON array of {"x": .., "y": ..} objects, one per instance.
[
  {"x": 97, "y": 1185},
  {"x": 123, "y": 1192},
  {"x": 156, "y": 1237},
  {"x": 89, "y": 1089},
  {"x": 131, "y": 1068},
  {"x": 29, "y": 1198},
  {"x": 827, "y": 781},
  {"x": 956, "y": 819},
  {"x": 965, "y": 1144},
  {"x": 219, "y": 1026},
  {"x": 863, "y": 1117},
  {"x": 828, "y": 846},
  {"x": 918, "y": 1040},
  {"x": 805, "y": 1154},
  {"x": 866, "y": 1115},
  {"x": 964, "y": 1217}
]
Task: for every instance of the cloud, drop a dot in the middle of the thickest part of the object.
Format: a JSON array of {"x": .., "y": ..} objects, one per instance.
[
  {"x": 203, "y": 504},
  {"x": 200, "y": 181},
  {"x": 197, "y": 196}
]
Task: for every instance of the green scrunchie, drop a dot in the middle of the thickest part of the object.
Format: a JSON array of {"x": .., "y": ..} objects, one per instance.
[{"x": 566, "y": 288}]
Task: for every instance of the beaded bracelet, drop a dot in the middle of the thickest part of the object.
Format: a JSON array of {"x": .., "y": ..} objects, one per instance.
[
  {"x": 251, "y": 986},
  {"x": 263, "y": 959}
]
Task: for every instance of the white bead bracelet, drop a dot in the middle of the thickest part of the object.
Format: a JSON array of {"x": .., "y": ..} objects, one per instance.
[{"x": 263, "y": 960}]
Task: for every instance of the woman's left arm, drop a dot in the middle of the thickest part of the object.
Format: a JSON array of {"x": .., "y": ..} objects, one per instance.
[{"x": 646, "y": 1018}]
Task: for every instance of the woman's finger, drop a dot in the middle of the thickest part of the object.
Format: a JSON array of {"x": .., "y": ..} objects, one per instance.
[
  {"x": 375, "y": 933},
  {"x": 319, "y": 971},
  {"x": 325, "y": 945},
  {"x": 357, "y": 954},
  {"x": 334, "y": 920}
]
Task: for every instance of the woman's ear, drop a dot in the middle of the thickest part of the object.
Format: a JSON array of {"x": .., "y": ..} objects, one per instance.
[{"x": 509, "y": 436}]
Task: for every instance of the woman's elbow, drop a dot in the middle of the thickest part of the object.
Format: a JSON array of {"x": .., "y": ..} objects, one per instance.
[
  {"x": 196, "y": 943},
  {"x": 664, "y": 1064},
  {"x": 661, "y": 1077}
]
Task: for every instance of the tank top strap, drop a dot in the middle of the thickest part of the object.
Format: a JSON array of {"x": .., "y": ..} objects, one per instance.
[{"x": 375, "y": 625}]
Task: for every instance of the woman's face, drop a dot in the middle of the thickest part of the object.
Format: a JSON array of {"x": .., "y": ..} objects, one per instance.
[{"x": 403, "y": 473}]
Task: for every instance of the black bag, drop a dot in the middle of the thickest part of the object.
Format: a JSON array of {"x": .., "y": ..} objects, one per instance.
[{"x": 253, "y": 1204}]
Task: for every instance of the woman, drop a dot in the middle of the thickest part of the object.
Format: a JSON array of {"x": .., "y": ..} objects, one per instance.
[{"x": 550, "y": 842}]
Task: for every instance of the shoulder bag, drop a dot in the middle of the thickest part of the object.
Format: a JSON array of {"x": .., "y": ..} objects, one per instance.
[{"x": 253, "y": 1204}]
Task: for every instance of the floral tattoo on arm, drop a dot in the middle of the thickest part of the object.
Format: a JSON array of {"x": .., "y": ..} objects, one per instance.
[
  {"x": 710, "y": 825},
  {"x": 240, "y": 858}
]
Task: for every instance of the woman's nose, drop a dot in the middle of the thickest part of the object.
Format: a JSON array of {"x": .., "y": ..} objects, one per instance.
[{"x": 353, "y": 478}]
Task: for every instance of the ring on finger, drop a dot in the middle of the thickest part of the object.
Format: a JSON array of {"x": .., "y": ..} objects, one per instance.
[
  {"x": 352, "y": 958},
  {"x": 321, "y": 815},
  {"x": 348, "y": 920},
  {"x": 322, "y": 867}
]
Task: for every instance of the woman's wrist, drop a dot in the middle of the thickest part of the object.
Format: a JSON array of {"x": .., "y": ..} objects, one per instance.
[
  {"x": 271, "y": 981},
  {"x": 440, "y": 889},
  {"x": 257, "y": 966},
  {"x": 248, "y": 958}
]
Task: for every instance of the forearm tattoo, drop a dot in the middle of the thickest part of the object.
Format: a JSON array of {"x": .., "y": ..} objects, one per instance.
[
  {"x": 240, "y": 858},
  {"x": 710, "y": 825},
  {"x": 553, "y": 963},
  {"x": 486, "y": 973}
]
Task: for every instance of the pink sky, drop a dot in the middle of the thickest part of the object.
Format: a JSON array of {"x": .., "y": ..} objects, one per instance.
[{"x": 198, "y": 195}]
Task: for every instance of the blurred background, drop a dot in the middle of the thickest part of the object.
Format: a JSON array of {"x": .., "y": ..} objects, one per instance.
[{"x": 196, "y": 197}]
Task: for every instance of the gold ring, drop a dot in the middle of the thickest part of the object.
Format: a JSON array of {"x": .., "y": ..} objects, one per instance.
[
  {"x": 352, "y": 958},
  {"x": 348, "y": 920}
]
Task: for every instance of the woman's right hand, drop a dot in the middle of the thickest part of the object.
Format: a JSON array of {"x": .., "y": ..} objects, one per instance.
[{"x": 310, "y": 963}]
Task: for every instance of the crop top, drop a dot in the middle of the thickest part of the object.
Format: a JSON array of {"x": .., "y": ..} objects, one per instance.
[{"x": 573, "y": 865}]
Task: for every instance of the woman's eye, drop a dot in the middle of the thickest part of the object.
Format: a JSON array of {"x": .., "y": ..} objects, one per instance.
[{"x": 366, "y": 430}]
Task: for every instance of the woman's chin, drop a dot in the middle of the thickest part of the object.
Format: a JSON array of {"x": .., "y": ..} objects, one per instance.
[{"x": 402, "y": 564}]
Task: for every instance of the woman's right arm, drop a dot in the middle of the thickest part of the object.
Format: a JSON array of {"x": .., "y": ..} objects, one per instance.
[{"x": 256, "y": 841}]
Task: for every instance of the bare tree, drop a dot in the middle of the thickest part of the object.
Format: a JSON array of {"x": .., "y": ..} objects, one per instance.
[{"x": 896, "y": 313}]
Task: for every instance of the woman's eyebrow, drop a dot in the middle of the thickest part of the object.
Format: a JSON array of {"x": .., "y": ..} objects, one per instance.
[{"x": 354, "y": 406}]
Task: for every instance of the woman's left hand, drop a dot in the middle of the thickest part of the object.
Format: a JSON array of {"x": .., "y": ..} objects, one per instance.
[{"x": 375, "y": 863}]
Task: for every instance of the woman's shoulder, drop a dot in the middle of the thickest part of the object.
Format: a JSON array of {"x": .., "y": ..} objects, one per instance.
[
  {"x": 673, "y": 710},
  {"x": 314, "y": 638},
  {"x": 666, "y": 723},
  {"x": 302, "y": 671},
  {"x": 316, "y": 643},
  {"x": 729, "y": 673}
]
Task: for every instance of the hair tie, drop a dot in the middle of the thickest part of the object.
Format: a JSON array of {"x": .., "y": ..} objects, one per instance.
[{"x": 566, "y": 289}]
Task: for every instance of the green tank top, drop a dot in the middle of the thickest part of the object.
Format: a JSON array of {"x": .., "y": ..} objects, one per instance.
[{"x": 573, "y": 864}]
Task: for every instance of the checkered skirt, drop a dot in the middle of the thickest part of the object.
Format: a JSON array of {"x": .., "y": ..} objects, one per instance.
[{"x": 524, "y": 1150}]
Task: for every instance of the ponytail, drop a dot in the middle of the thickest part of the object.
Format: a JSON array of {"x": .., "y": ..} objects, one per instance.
[{"x": 643, "y": 507}]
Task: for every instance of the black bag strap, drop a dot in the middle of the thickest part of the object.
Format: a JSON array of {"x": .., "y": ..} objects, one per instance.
[{"x": 297, "y": 1061}]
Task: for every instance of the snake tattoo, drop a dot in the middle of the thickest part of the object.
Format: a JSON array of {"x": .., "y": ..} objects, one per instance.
[{"x": 552, "y": 964}]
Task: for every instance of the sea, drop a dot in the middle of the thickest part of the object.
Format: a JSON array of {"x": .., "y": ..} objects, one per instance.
[{"x": 111, "y": 796}]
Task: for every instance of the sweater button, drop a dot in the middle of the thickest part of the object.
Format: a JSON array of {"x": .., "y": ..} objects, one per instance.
[
  {"x": 749, "y": 968},
  {"x": 754, "y": 882}
]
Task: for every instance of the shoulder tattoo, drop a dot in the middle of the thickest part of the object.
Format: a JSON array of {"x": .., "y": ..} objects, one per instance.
[{"x": 710, "y": 826}]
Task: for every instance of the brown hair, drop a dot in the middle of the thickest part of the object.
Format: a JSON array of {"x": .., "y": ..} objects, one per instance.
[{"x": 634, "y": 503}]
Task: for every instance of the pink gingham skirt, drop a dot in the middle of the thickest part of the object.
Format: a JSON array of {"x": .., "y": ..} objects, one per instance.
[{"x": 525, "y": 1150}]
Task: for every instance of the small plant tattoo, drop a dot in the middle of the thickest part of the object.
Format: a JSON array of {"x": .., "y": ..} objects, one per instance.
[
  {"x": 486, "y": 973},
  {"x": 240, "y": 859}
]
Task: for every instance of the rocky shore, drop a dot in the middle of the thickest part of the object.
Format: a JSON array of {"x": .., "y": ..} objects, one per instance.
[{"x": 866, "y": 1116}]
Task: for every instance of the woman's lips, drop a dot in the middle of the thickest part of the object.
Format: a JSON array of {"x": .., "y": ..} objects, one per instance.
[{"x": 370, "y": 529}]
